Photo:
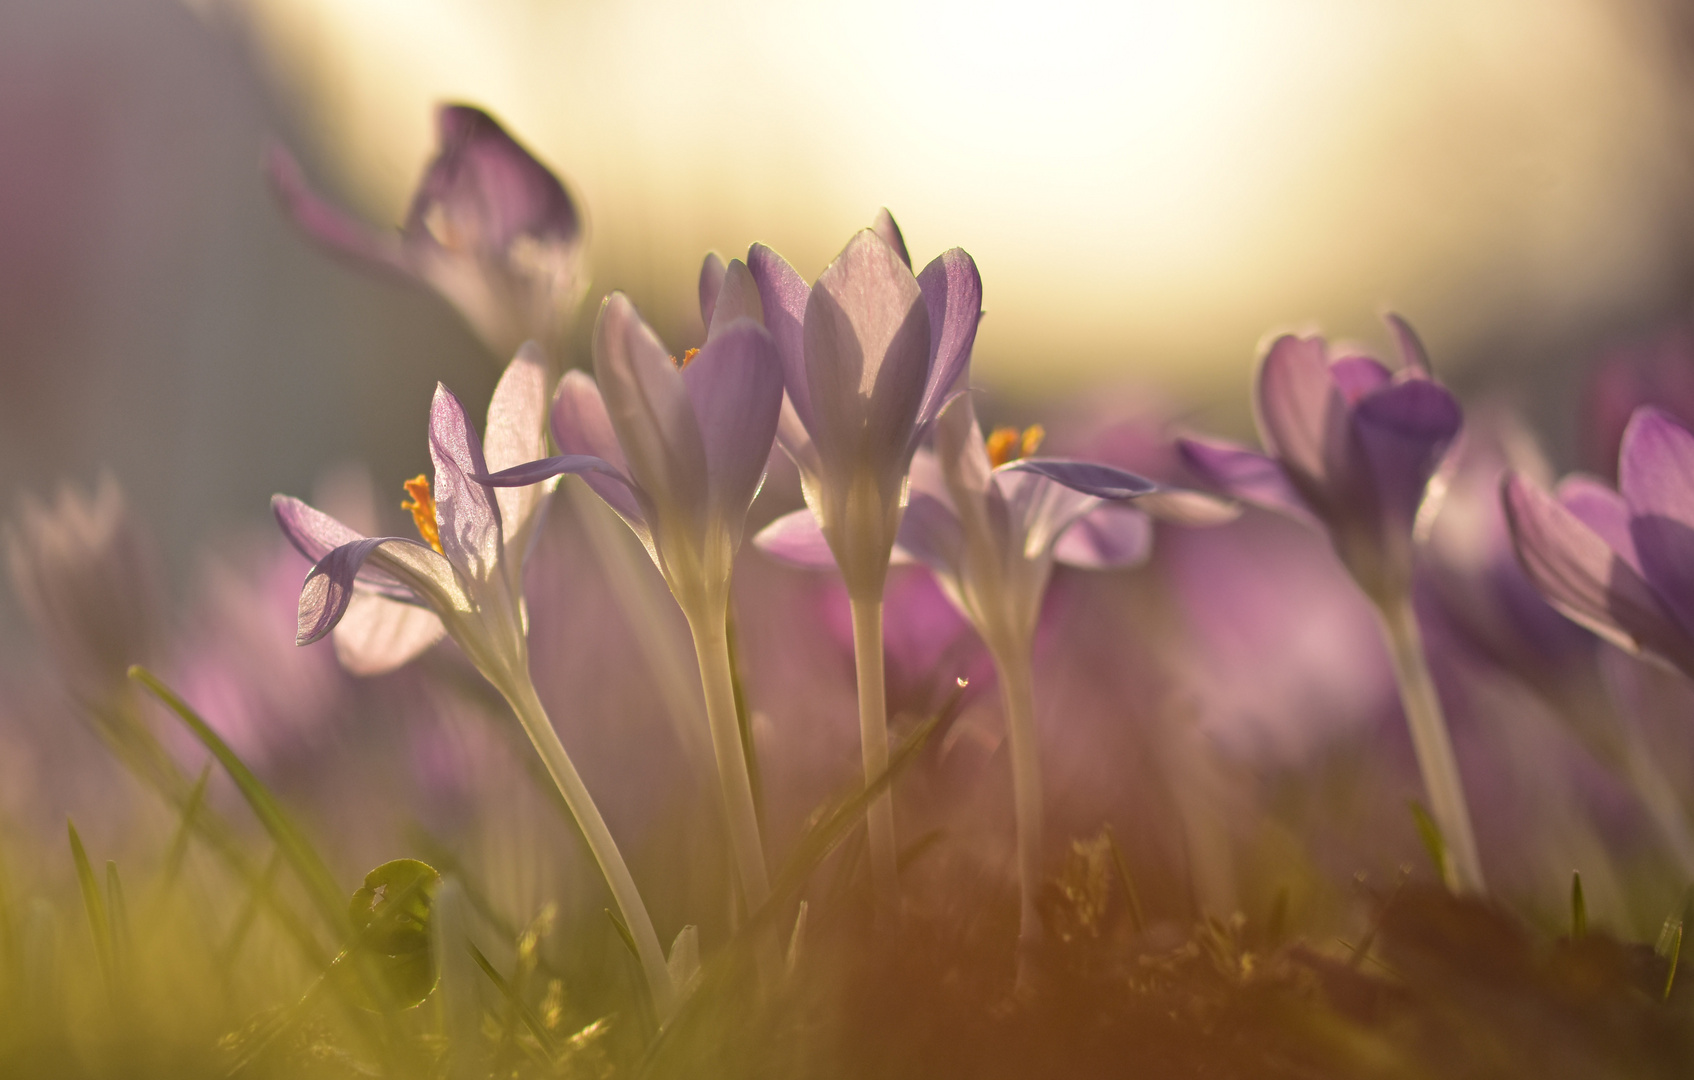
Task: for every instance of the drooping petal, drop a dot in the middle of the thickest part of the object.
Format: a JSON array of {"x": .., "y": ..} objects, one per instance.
[
  {"x": 315, "y": 534},
  {"x": 1191, "y": 508},
  {"x": 1656, "y": 479},
  {"x": 932, "y": 534},
  {"x": 378, "y": 635},
  {"x": 952, "y": 294},
  {"x": 328, "y": 224},
  {"x": 329, "y": 587},
  {"x": 867, "y": 360},
  {"x": 711, "y": 280},
  {"x": 651, "y": 412},
  {"x": 1088, "y": 477},
  {"x": 1294, "y": 399},
  {"x": 466, "y": 513},
  {"x": 1245, "y": 474},
  {"x": 1109, "y": 536},
  {"x": 1578, "y": 573},
  {"x": 783, "y": 295},
  {"x": 517, "y": 433},
  {"x": 737, "y": 299},
  {"x": 735, "y": 385},
  {"x": 1403, "y": 432},
  {"x": 889, "y": 232},
  {"x": 796, "y": 539},
  {"x": 1413, "y": 355}
]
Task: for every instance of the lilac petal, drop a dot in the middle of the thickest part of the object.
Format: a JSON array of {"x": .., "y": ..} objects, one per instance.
[
  {"x": 796, "y": 441},
  {"x": 650, "y": 409},
  {"x": 931, "y": 533},
  {"x": 737, "y": 299},
  {"x": 797, "y": 540},
  {"x": 466, "y": 513},
  {"x": 313, "y": 533},
  {"x": 889, "y": 233},
  {"x": 1403, "y": 432},
  {"x": 711, "y": 280},
  {"x": 735, "y": 384},
  {"x": 1356, "y": 376},
  {"x": 1413, "y": 356},
  {"x": 1294, "y": 400},
  {"x": 582, "y": 429},
  {"x": 1603, "y": 510},
  {"x": 952, "y": 293},
  {"x": 867, "y": 360},
  {"x": 1111, "y": 535},
  {"x": 783, "y": 295},
  {"x": 329, "y": 587},
  {"x": 1578, "y": 573},
  {"x": 1027, "y": 505},
  {"x": 327, "y": 224},
  {"x": 1654, "y": 463},
  {"x": 516, "y": 433},
  {"x": 1088, "y": 477},
  {"x": 484, "y": 190},
  {"x": 959, "y": 446},
  {"x": 1191, "y": 508},
  {"x": 377, "y": 634},
  {"x": 1245, "y": 474}
]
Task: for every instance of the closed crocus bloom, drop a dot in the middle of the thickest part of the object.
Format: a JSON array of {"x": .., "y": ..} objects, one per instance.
[
  {"x": 677, "y": 447},
  {"x": 869, "y": 354},
  {"x": 490, "y": 228},
  {"x": 466, "y": 571}
]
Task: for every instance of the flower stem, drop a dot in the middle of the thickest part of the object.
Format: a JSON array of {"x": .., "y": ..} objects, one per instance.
[
  {"x": 1017, "y": 695},
  {"x": 873, "y": 738},
  {"x": 711, "y": 648},
  {"x": 1433, "y": 745},
  {"x": 535, "y": 723}
]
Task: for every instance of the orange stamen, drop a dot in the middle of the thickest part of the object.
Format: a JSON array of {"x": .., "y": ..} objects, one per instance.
[
  {"x": 687, "y": 358},
  {"x": 1007, "y": 444},
  {"x": 422, "y": 506},
  {"x": 1032, "y": 436}
]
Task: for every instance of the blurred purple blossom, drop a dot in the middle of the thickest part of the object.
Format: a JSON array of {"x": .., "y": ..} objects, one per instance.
[{"x": 1654, "y": 369}]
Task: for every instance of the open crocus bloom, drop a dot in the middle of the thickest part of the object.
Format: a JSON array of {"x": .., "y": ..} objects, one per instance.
[
  {"x": 1349, "y": 444},
  {"x": 677, "y": 449},
  {"x": 389, "y": 598},
  {"x": 1619, "y": 562},
  {"x": 869, "y": 354},
  {"x": 490, "y": 228}
]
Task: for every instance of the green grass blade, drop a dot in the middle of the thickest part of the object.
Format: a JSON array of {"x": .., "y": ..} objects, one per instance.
[
  {"x": 178, "y": 850},
  {"x": 1430, "y": 834},
  {"x": 623, "y": 932},
  {"x": 96, "y": 907},
  {"x": 1578, "y": 908},
  {"x": 1133, "y": 895},
  {"x": 530, "y": 1020},
  {"x": 307, "y": 865},
  {"x": 117, "y": 918}
]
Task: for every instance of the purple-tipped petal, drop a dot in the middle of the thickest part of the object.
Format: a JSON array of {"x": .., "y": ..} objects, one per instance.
[
  {"x": 796, "y": 539},
  {"x": 737, "y": 299},
  {"x": 867, "y": 360},
  {"x": 650, "y": 409},
  {"x": 378, "y": 635},
  {"x": 312, "y": 532},
  {"x": 583, "y": 430},
  {"x": 466, "y": 513},
  {"x": 1109, "y": 536},
  {"x": 1654, "y": 473},
  {"x": 1190, "y": 508},
  {"x": 735, "y": 384},
  {"x": 328, "y": 224},
  {"x": 1295, "y": 399},
  {"x": 1403, "y": 432},
  {"x": 1245, "y": 474},
  {"x": 1578, "y": 573},
  {"x": 1088, "y": 477},
  {"x": 711, "y": 280},
  {"x": 1357, "y": 376},
  {"x": 329, "y": 587},
  {"x": 931, "y": 533},
  {"x": 783, "y": 295},
  {"x": 889, "y": 233},
  {"x": 1413, "y": 356},
  {"x": 952, "y": 294}
]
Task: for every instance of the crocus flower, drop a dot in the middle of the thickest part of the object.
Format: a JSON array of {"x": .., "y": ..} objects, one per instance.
[
  {"x": 678, "y": 449},
  {"x": 467, "y": 569},
  {"x": 1619, "y": 562},
  {"x": 490, "y": 228},
  {"x": 869, "y": 356},
  {"x": 1351, "y": 446}
]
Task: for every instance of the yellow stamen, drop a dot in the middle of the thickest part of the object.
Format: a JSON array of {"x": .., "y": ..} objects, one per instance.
[
  {"x": 1007, "y": 444},
  {"x": 687, "y": 358},
  {"x": 1032, "y": 436},
  {"x": 422, "y": 506}
]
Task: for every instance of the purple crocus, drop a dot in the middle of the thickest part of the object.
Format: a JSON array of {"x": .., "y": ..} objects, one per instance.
[
  {"x": 869, "y": 353},
  {"x": 467, "y": 569},
  {"x": 490, "y": 228},
  {"x": 678, "y": 449},
  {"x": 1351, "y": 447},
  {"x": 1619, "y": 562}
]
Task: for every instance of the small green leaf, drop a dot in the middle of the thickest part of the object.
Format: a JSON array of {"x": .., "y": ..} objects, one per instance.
[
  {"x": 96, "y": 907},
  {"x": 1433, "y": 843},
  {"x": 530, "y": 1020},
  {"x": 1578, "y": 908},
  {"x": 391, "y": 914},
  {"x": 623, "y": 932}
]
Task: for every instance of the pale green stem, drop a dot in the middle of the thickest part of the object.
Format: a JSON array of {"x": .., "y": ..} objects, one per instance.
[
  {"x": 1434, "y": 747},
  {"x": 535, "y": 723},
  {"x": 873, "y": 739},
  {"x": 1017, "y": 695},
  {"x": 711, "y": 648}
]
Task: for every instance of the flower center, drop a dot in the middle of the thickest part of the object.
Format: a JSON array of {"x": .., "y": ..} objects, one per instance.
[
  {"x": 1008, "y": 444},
  {"x": 687, "y": 358},
  {"x": 422, "y": 506}
]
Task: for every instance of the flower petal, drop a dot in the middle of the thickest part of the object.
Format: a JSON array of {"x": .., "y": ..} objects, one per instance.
[
  {"x": 1294, "y": 401},
  {"x": 328, "y": 224},
  {"x": 1403, "y": 432},
  {"x": 952, "y": 293},
  {"x": 466, "y": 513},
  {"x": 329, "y": 586},
  {"x": 735, "y": 385},
  {"x": 1356, "y": 376},
  {"x": 1245, "y": 474},
  {"x": 1603, "y": 510},
  {"x": 1111, "y": 535},
  {"x": 1413, "y": 356},
  {"x": 649, "y": 408},
  {"x": 783, "y": 295},
  {"x": 582, "y": 429},
  {"x": 796, "y": 539},
  {"x": 867, "y": 361},
  {"x": 1088, "y": 477},
  {"x": 1654, "y": 463},
  {"x": 315, "y": 534},
  {"x": 516, "y": 433},
  {"x": 737, "y": 299},
  {"x": 377, "y": 634},
  {"x": 889, "y": 232},
  {"x": 711, "y": 280},
  {"x": 1194, "y": 509},
  {"x": 932, "y": 534}
]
